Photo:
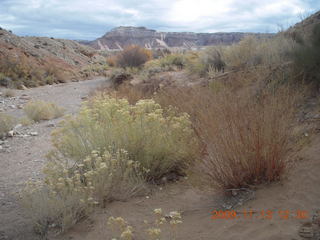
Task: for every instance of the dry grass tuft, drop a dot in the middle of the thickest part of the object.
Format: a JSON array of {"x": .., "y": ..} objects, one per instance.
[
  {"x": 6, "y": 124},
  {"x": 9, "y": 93},
  {"x": 40, "y": 110},
  {"x": 245, "y": 134}
]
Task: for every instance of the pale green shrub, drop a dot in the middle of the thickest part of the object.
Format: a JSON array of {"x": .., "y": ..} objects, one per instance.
[
  {"x": 70, "y": 190},
  {"x": 251, "y": 51},
  {"x": 172, "y": 61},
  {"x": 161, "y": 140},
  {"x": 6, "y": 124},
  {"x": 206, "y": 62},
  {"x": 40, "y": 110}
]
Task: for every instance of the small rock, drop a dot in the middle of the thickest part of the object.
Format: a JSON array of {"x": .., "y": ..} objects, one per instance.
[
  {"x": 1, "y": 148},
  {"x": 12, "y": 106},
  {"x": 20, "y": 106},
  {"x": 234, "y": 192},
  {"x": 1, "y": 142},
  {"x": 26, "y": 97},
  {"x": 51, "y": 125},
  {"x": 34, "y": 134},
  {"x": 10, "y": 133}
]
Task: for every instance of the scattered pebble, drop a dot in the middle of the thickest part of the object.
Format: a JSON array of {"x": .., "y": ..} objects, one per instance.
[
  {"x": 10, "y": 133},
  {"x": 34, "y": 134}
]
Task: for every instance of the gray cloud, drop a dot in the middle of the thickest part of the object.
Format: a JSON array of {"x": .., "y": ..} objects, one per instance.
[{"x": 83, "y": 19}]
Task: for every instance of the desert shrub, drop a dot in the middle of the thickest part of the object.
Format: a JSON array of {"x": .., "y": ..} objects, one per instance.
[
  {"x": 154, "y": 230},
  {"x": 245, "y": 135},
  {"x": 18, "y": 72},
  {"x": 118, "y": 76},
  {"x": 87, "y": 52},
  {"x": 40, "y": 110},
  {"x": 112, "y": 60},
  {"x": 133, "y": 56},
  {"x": 6, "y": 124},
  {"x": 160, "y": 140},
  {"x": 307, "y": 57},
  {"x": 195, "y": 64},
  {"x": 251, "y": 51},
  {"x": 25, "y": 121},
  {"x": 206, "y": 61},
  {"x": 69, "y": 191},
  {"x": 172, "y": 61},
  {"x": 95, "y": 69},
  {"x": 9, "y": 93}
]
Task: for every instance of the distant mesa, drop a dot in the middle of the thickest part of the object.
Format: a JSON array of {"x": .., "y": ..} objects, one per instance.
[{"x": 119, "y": 37}]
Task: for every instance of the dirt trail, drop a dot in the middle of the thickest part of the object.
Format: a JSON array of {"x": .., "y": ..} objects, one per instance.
[{"x": 22, "y": 157}]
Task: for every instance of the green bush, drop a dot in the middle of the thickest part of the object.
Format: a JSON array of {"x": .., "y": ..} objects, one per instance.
[{"x": 160, "y": 140}]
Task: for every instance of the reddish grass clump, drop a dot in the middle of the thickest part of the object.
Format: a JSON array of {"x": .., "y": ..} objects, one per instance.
[
  {"x": 245, "y": 134},
  {"x": 133, "y": 56}
]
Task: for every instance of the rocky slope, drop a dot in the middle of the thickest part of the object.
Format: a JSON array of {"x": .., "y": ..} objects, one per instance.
[
  {"x": 305, "y": 27},
  {"x": 120, "y": 37},
  {"x": 43, "y": 54}
]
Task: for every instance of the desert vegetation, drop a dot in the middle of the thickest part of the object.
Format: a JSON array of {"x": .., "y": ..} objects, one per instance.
[
  {"x": 131, "y": 56},
  {"x": 40, "y": 110},
  {"x": 234, "y": 132},
  {"x": 6, "y": 124},
  {"x": 122, "y": 229},
  {"x": 16, "y": 73}
]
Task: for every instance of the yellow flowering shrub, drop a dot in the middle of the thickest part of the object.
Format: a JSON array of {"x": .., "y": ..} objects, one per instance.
[
  {"x": 159, "y": 139},
  {"x": 69, "y": 190}
]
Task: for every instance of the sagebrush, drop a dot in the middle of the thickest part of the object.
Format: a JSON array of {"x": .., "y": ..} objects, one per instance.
[{"x": 161, "y": 140}]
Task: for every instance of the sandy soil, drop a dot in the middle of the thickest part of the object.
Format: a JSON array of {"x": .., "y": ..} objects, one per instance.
[{"x": 24, "y": 157}]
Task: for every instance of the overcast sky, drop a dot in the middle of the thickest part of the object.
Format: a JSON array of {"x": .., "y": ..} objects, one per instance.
[{"x": 85, "y": 19}]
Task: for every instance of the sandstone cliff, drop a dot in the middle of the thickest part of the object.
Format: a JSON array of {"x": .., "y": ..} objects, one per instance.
[{"x": 120, "y": 37}]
